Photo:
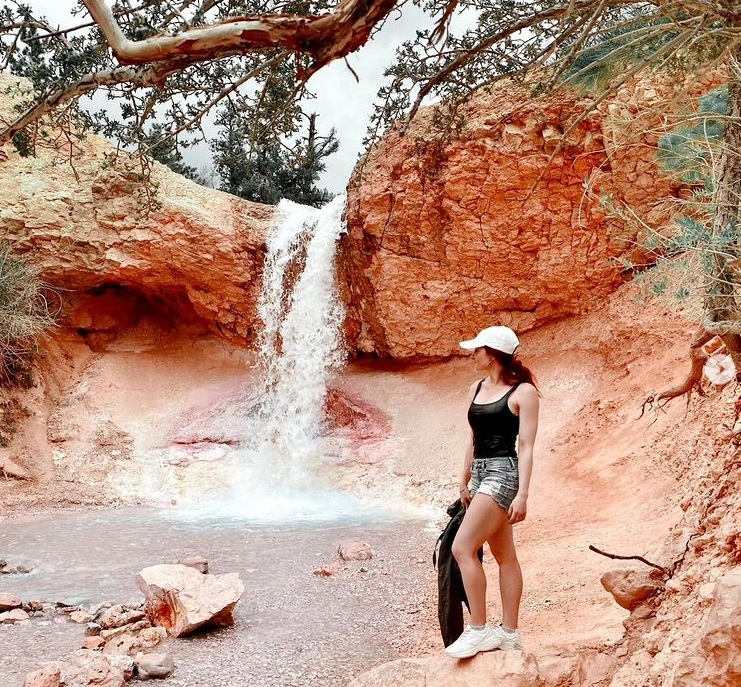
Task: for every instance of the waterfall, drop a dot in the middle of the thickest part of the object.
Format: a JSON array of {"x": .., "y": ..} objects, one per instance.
[
  {"x": 301, "y": 343},
  {"x": 276, "y": 470}
]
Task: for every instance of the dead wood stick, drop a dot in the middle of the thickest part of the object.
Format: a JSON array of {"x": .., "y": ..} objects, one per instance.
[{"x": 627, "y": 558}]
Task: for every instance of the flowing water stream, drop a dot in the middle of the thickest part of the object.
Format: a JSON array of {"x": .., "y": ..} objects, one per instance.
[{"x": 275, "y": 526}]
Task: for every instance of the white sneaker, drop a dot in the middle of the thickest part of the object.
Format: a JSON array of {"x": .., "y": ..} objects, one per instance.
[
  {"x": 472, "y": 641},
  {"x": 506, "y": 641}
]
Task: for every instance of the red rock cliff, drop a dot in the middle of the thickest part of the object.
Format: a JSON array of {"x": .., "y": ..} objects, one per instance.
[
  {"x": 187, "y": 254},
  {"x": 446, "y": 238}
]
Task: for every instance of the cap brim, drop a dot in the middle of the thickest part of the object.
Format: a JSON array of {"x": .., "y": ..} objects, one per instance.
[{"x": 470, "y": 345}]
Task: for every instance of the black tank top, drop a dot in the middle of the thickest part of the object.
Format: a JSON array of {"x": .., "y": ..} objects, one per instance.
[{"x": 495, "y": 426}]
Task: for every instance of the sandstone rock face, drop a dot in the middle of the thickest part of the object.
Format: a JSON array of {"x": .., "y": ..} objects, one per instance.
[
  {"x": 119, "y": 255},
  {"x": 715, "y": 660},
  {"x": 449, "y": 237},
  {"x": 695, "y": 636},
  {"x": 182, "y": 600}
]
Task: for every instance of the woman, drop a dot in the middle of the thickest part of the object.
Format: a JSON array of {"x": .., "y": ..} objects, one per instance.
[{"x": 503, "y": 408}]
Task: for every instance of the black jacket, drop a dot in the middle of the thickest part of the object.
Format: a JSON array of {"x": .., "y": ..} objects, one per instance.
[{"x": 451, "y": 592}]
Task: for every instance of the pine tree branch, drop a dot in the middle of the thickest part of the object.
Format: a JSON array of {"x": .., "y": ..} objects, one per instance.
[
  {"x": 196, "y": 119},
  {"x": 666, "y": 51}
]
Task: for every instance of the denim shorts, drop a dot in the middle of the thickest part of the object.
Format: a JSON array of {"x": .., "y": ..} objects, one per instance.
[{"x": 498, "y": 477}]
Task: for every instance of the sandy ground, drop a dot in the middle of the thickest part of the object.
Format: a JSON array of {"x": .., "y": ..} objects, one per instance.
[{"x": 603, "y": 475}]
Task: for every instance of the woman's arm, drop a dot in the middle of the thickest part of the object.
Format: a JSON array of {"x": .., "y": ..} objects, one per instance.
[
  {"x": 466, "y": 475},
  {"x": 468, "y": 457},
  {"x": 528, "y": 404}
]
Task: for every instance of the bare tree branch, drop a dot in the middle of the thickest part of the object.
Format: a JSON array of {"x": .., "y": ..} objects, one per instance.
[
  {"x": 325, "y": 37},
  {"x": 628, "y": 558},
  {"x": 142, "y": 76}
]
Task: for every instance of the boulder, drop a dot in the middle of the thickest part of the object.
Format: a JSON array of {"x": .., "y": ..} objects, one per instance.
[
  {"x": 630, "y": 588},
  {"x": 153, "y": 666},
  {"x": 493, "y": 669},
  {"x": 183, "y": 600}
]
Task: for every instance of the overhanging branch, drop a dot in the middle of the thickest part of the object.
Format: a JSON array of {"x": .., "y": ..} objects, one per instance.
[
  {"x": 141, "y": 76},
  {"x": 325, "y": 37}
]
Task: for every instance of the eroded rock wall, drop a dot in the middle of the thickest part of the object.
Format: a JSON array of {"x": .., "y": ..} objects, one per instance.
[
  {"x": 147, "y": 242},
  {"x": 502, "y": 223}
]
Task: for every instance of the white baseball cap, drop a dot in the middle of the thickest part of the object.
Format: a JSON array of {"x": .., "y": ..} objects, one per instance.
[{"x": 499, "y": 338}]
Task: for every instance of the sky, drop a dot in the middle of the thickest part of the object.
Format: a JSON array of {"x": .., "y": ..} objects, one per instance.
[{"x": 341, "y": 101}]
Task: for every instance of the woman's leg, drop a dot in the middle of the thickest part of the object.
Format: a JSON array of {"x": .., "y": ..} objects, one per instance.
[
  {"x": 502, "y": 546},
  {"x": 483, "y": 518}
]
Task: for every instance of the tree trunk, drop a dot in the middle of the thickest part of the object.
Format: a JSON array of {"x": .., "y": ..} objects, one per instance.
[{"x": 722, "y": 290}]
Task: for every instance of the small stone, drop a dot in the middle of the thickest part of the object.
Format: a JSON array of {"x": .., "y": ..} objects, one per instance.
[
  {"x": 9, "y": 601},
  {"x": 113, "y": 632},
  {"x": 355, "y": 551},
  {"x": 124, "y": 645},
  {"x": 124, "y": 663},
  {"x": 150, "y": 637},
  {"x": 118, "y": 616},
  {"x": 155, "y": 665},
  {"x": 81, "y": 617},
  {"x": 328, "y": 570},
  {"x": 84, "y": 668},
  {"x": 48, "y": 676},
  {"x": 67, "y": 603},
  {"x": 93, "y": 643},
  {"x": 17, "y": 615},
  {"x": 93, "y": 629}
]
